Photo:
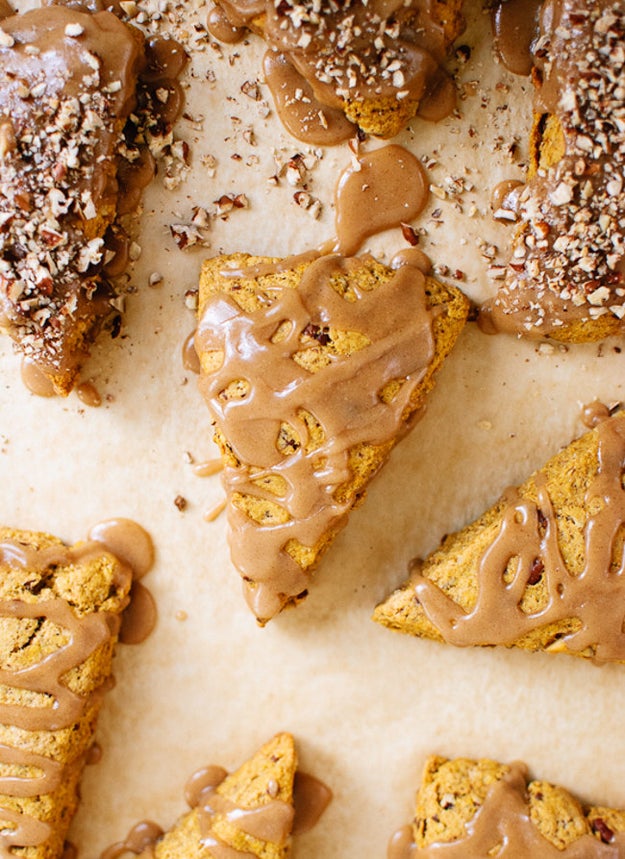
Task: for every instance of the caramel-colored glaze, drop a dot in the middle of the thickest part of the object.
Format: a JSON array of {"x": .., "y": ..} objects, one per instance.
[
  {"x": 348, "y": 54},
  {"x": 140, "y": 616},
  {"x": 35, "y": 379},
  {"x": 88, "y": 394},
  {"x": 84, "y": 634},
  {"x": 343, "y": 398},
  {"x": 301, "y": 113},
  {"x": 269, "y": 822},
  {"x": 208, "y": 467},
  {"x": 215, "y": 512},
  {"x": 73, "y": 73},
  {"x": 311, "y": 797},
  {"x": 566, "y": 275},
  {"x": 190, "y": 359},
  {"x": 220, "y": 27},
  {"x": 528, "y": 533},
  {"x": 380, "y": 190},
  {"x": 502, "y": 827},
  {"x": 141, "y": 837},
  {"x": 505, "y": 195},
  {"x": 127, "y": 541},
  {"x": 515, "y": 27},
  {"x": 207, "y": 778},
  {"x": 593, "y": 413},
  {"x": 30, "y": 296}
]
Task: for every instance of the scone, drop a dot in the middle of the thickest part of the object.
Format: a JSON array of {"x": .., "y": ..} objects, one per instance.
[
  {"x": 67, "y": 86},
  {"x": 378, "y": 63},
  {"x": 482, "y": 808},
  {"x": 250, "y": 812},
  {"x": 565, "y": 277},
  {"x": 312, "y": 368},
  {"x": 541, "y": 570},
  {"x": 60, "y": 613}
]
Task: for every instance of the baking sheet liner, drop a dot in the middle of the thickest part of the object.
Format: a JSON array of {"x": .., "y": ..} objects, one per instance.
[{"x": 365, "y": 705}]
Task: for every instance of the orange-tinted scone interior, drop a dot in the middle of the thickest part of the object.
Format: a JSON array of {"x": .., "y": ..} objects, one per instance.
[
  {"x": 312, "y": 368},
  {"x": 565, "y": 277},
  {"x": 541, "y": 570},
  {"x": 60, "y": 611},
  {"x": 480, "y": 808},
  {"x": 376, "y": 63}
]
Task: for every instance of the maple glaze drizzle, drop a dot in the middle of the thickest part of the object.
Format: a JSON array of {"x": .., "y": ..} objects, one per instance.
[
  {"x": 82, "y": 635},
  {"x": 381, "y": 189},
  {"x": 502, "y": 827},
  {"x": 342, "y": 397},
  {"x": 272, "y": 822},
  {"x": 593, "y": 597},
  {"x": 341, "y": 54}
]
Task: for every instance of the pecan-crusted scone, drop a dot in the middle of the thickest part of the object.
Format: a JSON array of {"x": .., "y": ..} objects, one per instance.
[
  {"x": 475, "y": 809},
  {"x": 250, "y": 812},
  {"x": 67, "y": 86},
  {"x": 60, "y": 610},
  {"x": 565, "y": 279},
  {"x": 377, "y": 62},
  {"x": 543, "y": 569},
  {"x": 313, "y": 368}
]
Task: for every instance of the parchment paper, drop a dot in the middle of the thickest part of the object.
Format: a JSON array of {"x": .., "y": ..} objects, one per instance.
[{"x": 366, "y": 705}]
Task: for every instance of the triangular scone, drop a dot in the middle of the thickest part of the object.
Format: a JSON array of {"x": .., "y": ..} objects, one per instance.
[
  {"x": 544, "y": 569},
  {"x": 481, "y": 808},
  {"x": 376, "y": 63},
  {"x": 256, "y": 798},
  {"x": 59, "y": 619},
  {"x": 566, "y": 274},
  {"x": 67, "y": 86},
  {"x": 313, "y": 368}
]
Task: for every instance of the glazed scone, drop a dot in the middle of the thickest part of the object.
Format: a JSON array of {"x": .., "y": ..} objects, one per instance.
[
  {"x": 313, "y": 368},
  {"x": 69, "y": 76},
  {"x": 60, "y": 611},
  {"x": 250, "y": 812},
  {"x": 565, "y": 277},
  {"x": 378, "y": 63},
  {"x": 541, "y": 570},
  {"x": 475, "y": 809}
]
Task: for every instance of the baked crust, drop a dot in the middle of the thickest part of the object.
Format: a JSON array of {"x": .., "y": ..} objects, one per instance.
[
  {"x": 453, "y": 791},
  {"x": 54, "y": 296},
  {"x": 564, "y": 510},
  {"x": 59, "y": 606},
  {"x": 257, "y": 505}
]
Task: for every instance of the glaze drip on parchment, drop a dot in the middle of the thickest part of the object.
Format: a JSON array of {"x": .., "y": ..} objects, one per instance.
[
  {"x": 325, "y": 55},
  {"x": 52, "y": 706},
  {"x": 502, "y": 827},
  {"x": 322, "y": 414},
  {"x": 528, "y": 537}
]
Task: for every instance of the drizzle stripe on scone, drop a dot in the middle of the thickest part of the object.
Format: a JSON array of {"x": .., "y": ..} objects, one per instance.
[
  {"x": 475, "y": 809},
  {"x": 544, "y": 569},
  {"x": 313, "y": 368}
]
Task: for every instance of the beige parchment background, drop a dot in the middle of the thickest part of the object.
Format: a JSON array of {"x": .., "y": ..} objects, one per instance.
[{"x": 366, "y": 705}]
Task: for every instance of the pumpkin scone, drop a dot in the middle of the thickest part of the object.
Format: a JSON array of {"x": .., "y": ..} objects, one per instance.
[
  {"x": 476, "y": 809},
  {"x": 67, "y": 87},
  {"x": 250, "y": 812},
  {"x": 313, "y": 368},
  {"x": 60, "y": 611},
  {"x": 376, "y": 63},
  {"x": 565, "y": 277},
  {"x": 543, "y": 569}
]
